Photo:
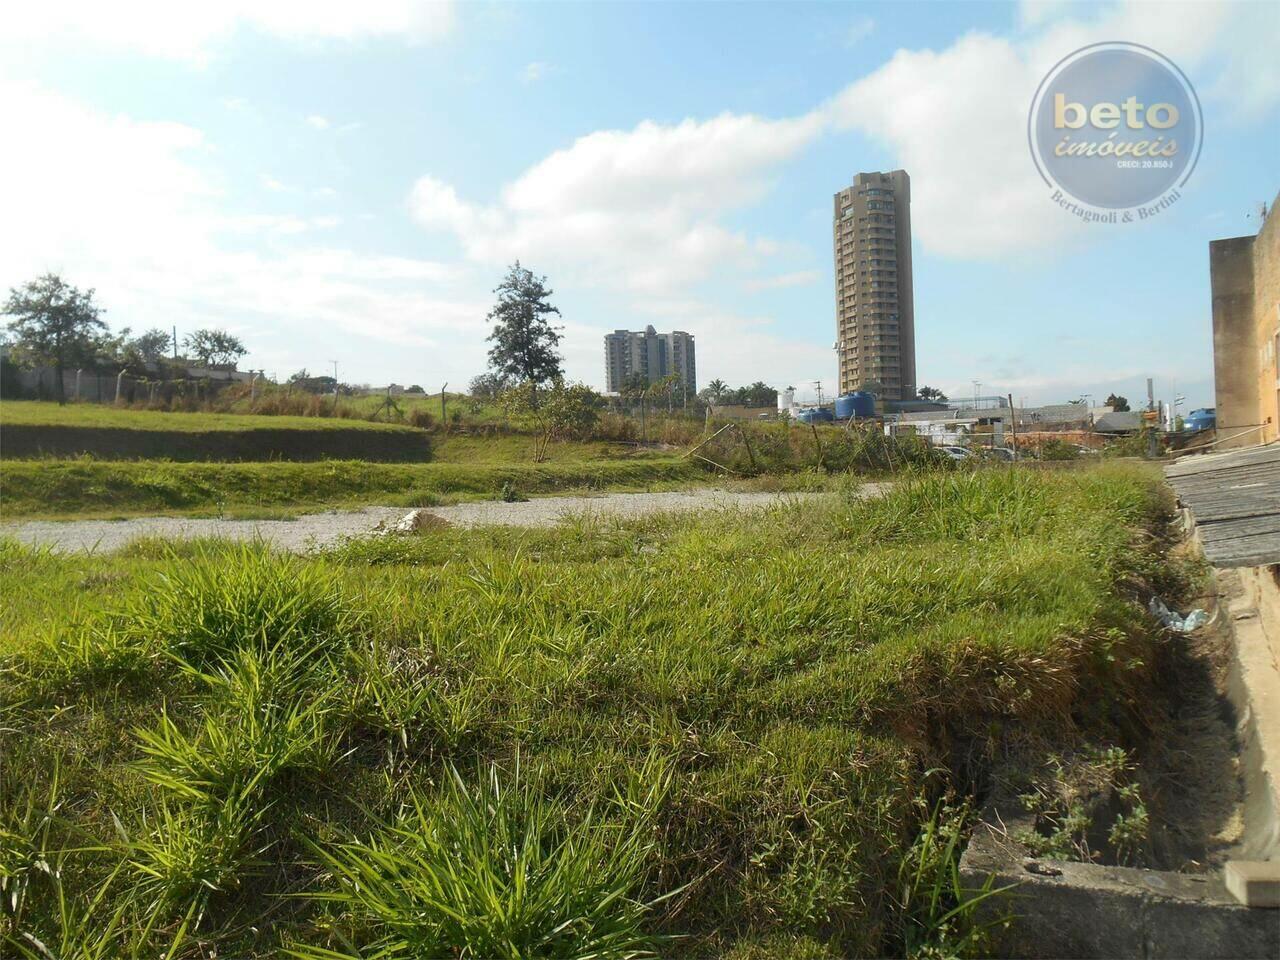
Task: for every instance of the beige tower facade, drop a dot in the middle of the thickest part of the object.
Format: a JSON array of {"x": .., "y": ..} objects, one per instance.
[
  {"x": 652, "y": 354},
  {"x": 875, "y": 312}
]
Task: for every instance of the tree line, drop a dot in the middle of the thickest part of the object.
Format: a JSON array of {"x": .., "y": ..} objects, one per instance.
[{"x": 55, "y": 324}]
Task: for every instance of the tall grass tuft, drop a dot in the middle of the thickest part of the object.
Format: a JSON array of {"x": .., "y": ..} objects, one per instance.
[
  {"x": 494, "y": 871},
  {"x": 208, "y": 606},
  {"x": 941, "y": 918}
]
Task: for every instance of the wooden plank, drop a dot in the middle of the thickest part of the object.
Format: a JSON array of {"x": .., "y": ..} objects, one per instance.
[
  {"x": 1217, "y": 461},
  {"x": 1265, "y": 545},
  {"x": 1234, "y": 499},
  {"x": 1262, "y": 476},
  {"x": 1231, "y": 510},
  {"x": 1232, "y": 529}
]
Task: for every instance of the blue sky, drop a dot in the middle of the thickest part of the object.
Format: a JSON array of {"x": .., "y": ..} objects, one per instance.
[{"x": 348, "y": 181}]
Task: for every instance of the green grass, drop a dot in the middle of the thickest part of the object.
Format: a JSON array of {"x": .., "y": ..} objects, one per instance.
[
  {"x": 517, "y": 448},
  {"x": 42, "y": 414},
  {"x": 88, "y": 488},
  {"x": 715, "y": 736}
]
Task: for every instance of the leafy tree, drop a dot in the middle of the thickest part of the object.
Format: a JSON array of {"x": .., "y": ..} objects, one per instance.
[
  {"x": 524, "y": 338},
  {"x": 214, "y": 347},
  {"x": 759, "y": 394},
  {"x": 487, "y": 386},
  {"x": 415, "y": 388},
  {"x": 1117, "y": 403},
  {"x": 931, "y": 393},
  {"x": 634, "y": 385},
  {"x": 55, "y": 323},
  {"x": 563, "y": 410},
  {"x": 137, "y": 353},
  {"x": 303, "y": 380},
  {"x": 667, "y": 388}
]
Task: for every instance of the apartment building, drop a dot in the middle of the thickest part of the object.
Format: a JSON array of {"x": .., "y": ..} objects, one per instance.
[
  {"x": 875, "y": 312},
  {"x": 652, "y": 354}
]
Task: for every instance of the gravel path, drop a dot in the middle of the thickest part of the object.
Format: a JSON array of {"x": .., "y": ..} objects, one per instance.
[{"x": 318, "y": 529}]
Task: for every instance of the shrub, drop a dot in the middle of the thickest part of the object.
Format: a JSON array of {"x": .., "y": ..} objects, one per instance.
[
  {"x": 1055, "y": 449},
  {"x": 421, "y": 418}
]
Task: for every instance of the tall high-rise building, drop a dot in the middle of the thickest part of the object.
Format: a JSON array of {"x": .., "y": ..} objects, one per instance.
[
  {"x": 651, "y": 354},
  {"x": 875, "y": 314}
]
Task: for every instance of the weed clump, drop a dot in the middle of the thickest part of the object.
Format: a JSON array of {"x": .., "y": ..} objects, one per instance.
[
  {"x": 490, "y": 870},
  {"x": 223, "y": 600}
]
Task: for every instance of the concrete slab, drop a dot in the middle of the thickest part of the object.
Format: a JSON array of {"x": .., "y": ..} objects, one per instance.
[
  {"x": 1255, "y": 883},
  {"x": 1250, "y": 599},
  {"x": 1084, "y": 910}
]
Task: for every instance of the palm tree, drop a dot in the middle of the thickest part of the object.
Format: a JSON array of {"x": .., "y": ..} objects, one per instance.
[{"x": 717, "y": 388}]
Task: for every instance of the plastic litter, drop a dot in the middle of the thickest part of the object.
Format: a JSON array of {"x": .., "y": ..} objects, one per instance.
[{"x": 1175, "y": 622}]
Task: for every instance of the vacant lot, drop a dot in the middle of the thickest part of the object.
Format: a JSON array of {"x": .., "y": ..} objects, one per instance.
[
  {"x": 333, "y": 526},
  {"x": 689, "y": 737},
  {"x": 66, "y": 488}
]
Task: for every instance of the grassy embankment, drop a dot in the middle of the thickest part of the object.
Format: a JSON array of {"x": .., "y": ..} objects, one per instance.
[
  {"x": 30, "y": 429},
  {"x": 698, "y": 737},
  {"x": 462, "y": 466},
  {"x": 43, "y": 414},
  {"x": 75, "y": 488}
]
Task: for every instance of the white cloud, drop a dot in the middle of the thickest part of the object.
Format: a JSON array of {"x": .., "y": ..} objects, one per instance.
[
  {"x": 638, "y": 209},
  {"x": 191, "y": 32},
  {"x": 956, "y": 121},
  {"x": 535, "y": 71},
  {"x": 273, "y": 184},
  {"x": 317, "y": 122},
  {"x": 146, "y": 224},
  {"x": 859, "y": 30},
  {"x": 956, "y": 118}
]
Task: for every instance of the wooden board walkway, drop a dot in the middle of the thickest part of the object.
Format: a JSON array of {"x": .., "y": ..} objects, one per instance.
[{"x": 1234, "y": 499}]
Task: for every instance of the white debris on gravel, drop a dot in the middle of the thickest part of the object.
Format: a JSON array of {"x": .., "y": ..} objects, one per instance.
[{"x": 324, "y": 529}]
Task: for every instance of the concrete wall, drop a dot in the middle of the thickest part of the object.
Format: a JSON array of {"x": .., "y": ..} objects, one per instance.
[
  {"x": 1266, "y": 321},
  {"x": 1245, "y": 280}
]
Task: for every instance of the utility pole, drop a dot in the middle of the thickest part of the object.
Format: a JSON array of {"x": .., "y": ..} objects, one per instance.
[
  {"x": 335, "y": 380},
  {"x": 1149, "y": 422},
  {"x": 175, "y": 341},
  {"x": 442, "y": 402},
  {"x": 1013, "y": 426}
]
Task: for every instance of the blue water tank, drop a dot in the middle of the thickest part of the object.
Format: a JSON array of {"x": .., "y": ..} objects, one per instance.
[
  {"x": 858, "y": 404},
  {"x": 815, "y": 415}
]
